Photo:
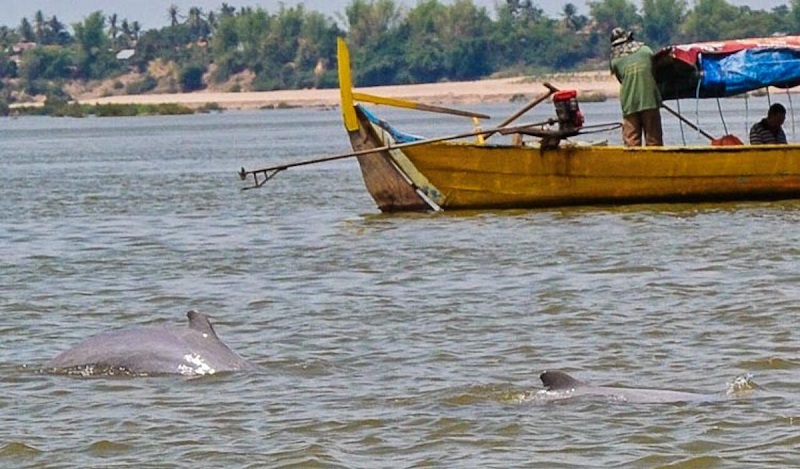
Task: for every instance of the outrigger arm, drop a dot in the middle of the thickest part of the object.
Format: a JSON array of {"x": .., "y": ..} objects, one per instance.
[{"x": 261, "y": 176}]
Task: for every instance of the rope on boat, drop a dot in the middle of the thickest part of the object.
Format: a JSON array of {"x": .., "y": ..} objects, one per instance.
[
  {"x": 697, "y": 107},
  {"x": 722, "y": 117},
  {"x": 598, "y": 128},
  {"x": 683, "y": 135},
  {"x": 746, "y": 113},
  {"x": 791, "y": 108}
]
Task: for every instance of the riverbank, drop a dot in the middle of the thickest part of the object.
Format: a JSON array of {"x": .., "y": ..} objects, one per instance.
[{"x": 468, "y": 92}]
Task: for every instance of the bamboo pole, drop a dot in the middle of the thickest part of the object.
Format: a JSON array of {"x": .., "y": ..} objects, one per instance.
[
  {"x": 535, "y": 102},
  {"x": 270, "y": 172}
]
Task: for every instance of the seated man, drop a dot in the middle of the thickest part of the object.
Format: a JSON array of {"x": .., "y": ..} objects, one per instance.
[{"x": 768, "y": 130}]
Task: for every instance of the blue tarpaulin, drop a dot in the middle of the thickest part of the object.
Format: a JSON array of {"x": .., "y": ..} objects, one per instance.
[{"x": 749, "y": 69}]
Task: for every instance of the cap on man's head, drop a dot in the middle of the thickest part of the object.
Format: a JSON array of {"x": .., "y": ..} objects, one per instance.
[{"x": 620, "y": 36}]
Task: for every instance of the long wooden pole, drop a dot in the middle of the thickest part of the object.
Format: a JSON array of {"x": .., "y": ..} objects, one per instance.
[
  {"x": 687, "y": 122},
  {"x": 270, "y": 172},
  {"x": 402, "y": 103},
  {"x": 536, "y": 101}
]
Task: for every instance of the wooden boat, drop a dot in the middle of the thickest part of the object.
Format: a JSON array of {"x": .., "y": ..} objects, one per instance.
[{"x": 406, "y": 173}]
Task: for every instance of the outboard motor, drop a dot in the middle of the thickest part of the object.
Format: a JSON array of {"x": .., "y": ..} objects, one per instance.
[{"x": 570, "y": 117}]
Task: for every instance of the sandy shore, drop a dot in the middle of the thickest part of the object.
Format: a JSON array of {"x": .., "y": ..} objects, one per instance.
[{"x": 469, "y": 92}]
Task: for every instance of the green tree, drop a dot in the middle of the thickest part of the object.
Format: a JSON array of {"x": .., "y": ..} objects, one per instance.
[
  {"x": 278, "y": 50},
  {"x": 377, "y": 42},
  {"x": 719, "y": 13},
  {"x": 94, "y": 58},
  {"x": 191, "y": 77},
  {"x": 572, "y": 21},
  {"x": 316, "y": 48},
  {"x": 447, "y": 42},
  {"x": 368, "y": 20},
  {"x": 526, "y": 38},
  {"x": 661, "y": 20},
  {"x": 467, "y": 30},
  {"x": 426, "y": 48},
  {"x": 126, "y": 38},
  {"x": 794, "y": 15},
  {"x": 198, "y": 26},
  {"x": 609, "y": 14},
  {"x": 782, "y": 17},
  {"x": 226, "y": 10},
  {"x": 39, "y": 27},
  {"x": 754, "y": 23},
  {"x": 136, "y": 29},
  {"x": 26, "y": 31},
  {"x": 45, "y": 63},
  {"x": 8, "y": 68},
  {"x": 58, "y": 32},
  {"x": 172, "y": 11},
  {"x": 113, "y": 30},
  {"x": 224, "y": 47}
]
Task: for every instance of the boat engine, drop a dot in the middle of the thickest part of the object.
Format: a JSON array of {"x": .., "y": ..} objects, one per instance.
[{"x": 570, "y": 117}]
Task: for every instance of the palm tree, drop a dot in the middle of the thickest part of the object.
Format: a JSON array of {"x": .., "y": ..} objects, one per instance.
[
  {"x": 112, "y": 28},
  {"x": 197, "y": 25},
  {"x": 227, "y": 10},
  {"x": 26, "y": 30},
  {"x": 173, "y": 14},
  {"x": 39, "y": 26},
  {"x": 136, "y": 28},
  {"x": 572, "y": 20},
  {"x": 58, "y": 31},
  {"x": 126, "y": 33},
  {"x": 569, "y": 13},
  {"x": 6, "y": 36}
]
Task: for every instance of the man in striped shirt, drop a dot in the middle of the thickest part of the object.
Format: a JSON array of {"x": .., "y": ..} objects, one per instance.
[{"x": 768, "y": 131}]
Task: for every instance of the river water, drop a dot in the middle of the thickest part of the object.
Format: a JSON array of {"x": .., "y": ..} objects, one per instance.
[{"x": 391, "y": 341}]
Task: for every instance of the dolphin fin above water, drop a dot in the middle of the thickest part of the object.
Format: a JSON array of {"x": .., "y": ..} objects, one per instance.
[
  {"x": 560, "y": 385},
  {"x": 194, "y": 350},
  {"x": 558, "y": 380},
  {"x": 200, "y": 322}
]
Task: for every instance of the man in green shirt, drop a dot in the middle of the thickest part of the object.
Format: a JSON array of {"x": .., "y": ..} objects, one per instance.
[{"x": 632, "y": 63}]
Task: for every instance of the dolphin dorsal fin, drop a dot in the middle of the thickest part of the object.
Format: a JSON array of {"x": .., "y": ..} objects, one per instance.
[
  {"x": 556, "y": 380},
  {"x": 199, "y": 322}
]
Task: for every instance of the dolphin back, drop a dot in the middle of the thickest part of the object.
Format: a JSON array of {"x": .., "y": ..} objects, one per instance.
[
  {"x": 193, "y": 350},
  {"x": 558, "y": 380}
]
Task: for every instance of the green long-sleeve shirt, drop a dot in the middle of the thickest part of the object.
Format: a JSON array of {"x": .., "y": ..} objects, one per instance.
[{"x": 638, "y": 91}]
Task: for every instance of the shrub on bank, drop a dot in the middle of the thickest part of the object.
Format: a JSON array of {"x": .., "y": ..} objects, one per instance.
[
  {"x": 59, "y": 108},
  {"x": 148, "y": 83}
]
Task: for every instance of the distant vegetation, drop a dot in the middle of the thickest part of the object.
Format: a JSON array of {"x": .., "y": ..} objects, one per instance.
[
  {"x": 252, "y": 49},
  {"x": 63, "y": 108}
]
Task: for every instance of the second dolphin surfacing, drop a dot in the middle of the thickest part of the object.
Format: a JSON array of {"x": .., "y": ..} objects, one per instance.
[{"x": 560, "y": 385}]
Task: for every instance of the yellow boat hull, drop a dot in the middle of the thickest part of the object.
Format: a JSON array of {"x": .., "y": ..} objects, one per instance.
[
  {"x": 471, "y": 176},
  {"x": 454, "y": 176}
]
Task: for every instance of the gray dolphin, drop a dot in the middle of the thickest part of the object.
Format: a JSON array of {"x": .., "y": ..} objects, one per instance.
[
  {"x": 191, "y": 351},
  {"x": 561, "y": 385}
]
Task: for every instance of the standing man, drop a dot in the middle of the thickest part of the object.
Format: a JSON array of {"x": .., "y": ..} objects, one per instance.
[
  {"x": 632, "y": 64},
  {"x": 769, "y": 131}
]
